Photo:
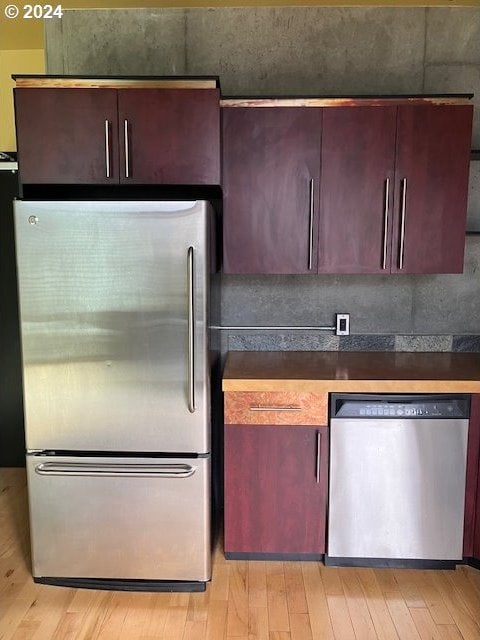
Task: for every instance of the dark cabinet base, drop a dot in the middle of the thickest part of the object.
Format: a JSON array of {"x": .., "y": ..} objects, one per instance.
[
  {"x": 473, "y": 562},
  {"x": 391, "y": 563},
  {"x": 302, "y": 557}
]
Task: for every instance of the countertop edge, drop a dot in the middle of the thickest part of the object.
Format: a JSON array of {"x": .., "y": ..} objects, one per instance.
[{"x": 352, "y": 386}]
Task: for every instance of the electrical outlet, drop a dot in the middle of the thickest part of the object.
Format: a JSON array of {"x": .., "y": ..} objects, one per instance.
[{"x": 342, "y": 324}]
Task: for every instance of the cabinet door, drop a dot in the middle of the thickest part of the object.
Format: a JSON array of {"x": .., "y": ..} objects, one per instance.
[
  {"x": 476, "y": 537},
  {"x": 67, "y": 136},
  {"x": 275, "y": 489},
  {"x": 169, "y": 136},
  {"x": 431, "y": 186},
  {"x": 471, "y": 536},
  {"x": 358, "y": 153},
  {"x": 271, "y": 163}
]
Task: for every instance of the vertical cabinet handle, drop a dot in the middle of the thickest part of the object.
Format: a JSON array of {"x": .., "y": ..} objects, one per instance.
[
  {"x": 402, "y": 223},
  {"x": 385, "y": 223},
  {"x": 310, "y": 224},
  {"x": 191, "y": 330},
  {"x": 127, "y": 151},
  {"x": 107, "y": 148},
  {"x": 319, "y": 455}
]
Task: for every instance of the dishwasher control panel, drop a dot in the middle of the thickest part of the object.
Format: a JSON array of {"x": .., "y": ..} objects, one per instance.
[{"x": 399, "y": 406}]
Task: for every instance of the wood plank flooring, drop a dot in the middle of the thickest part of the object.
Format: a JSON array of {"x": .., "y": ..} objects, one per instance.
[{"x": 245, "y": 601}]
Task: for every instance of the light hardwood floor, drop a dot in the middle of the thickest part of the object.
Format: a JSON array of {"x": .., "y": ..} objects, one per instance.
[{"x": 245, "y": 601}]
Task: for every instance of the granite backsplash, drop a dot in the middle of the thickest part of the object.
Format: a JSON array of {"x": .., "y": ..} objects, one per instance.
[{"x": 320, "y": 341}]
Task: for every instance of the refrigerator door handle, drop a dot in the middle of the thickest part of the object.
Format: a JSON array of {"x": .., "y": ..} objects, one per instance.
[
  {"x": 115, "y": 470},
  {"x": 191, "y": 330}
]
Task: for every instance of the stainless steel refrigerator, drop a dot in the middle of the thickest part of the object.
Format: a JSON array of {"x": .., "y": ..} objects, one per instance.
[{"x": 114, "y": 300}]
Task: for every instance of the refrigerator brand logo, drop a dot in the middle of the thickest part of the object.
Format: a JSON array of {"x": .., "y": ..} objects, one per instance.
[{"x": 33, "y": 219}]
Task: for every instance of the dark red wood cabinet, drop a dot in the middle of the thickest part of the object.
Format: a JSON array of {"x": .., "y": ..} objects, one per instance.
[
  {"x": 356, "y": 187},
  {"x": 111, "y": 136},
  {"x": 394, "y": 187},
  {"x": 169, "y": 136},
  {"x": 472, "y": 477},
  {"x": 275, "y": 490},
  {"x": 471, "y": 542},
  {"x": 431, "y": 188},
  {"x": 271, "y": 164},
  {"x": 389, "y": 190},
  {"x": 67, "y": 136},
  {"x": 476, "y": 537}
]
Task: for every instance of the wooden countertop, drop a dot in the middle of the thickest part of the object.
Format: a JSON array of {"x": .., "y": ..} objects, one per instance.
[{"x": 361, "y": 372}]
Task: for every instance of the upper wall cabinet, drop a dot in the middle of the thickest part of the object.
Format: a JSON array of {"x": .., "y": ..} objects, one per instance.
[
  {"x": 67, "y": 136},
  {"x": 271, "y": 162},
  {"x": 114, "y": 135},
  {"x": 394, "y": 183},
  {"x": 388, "y": 194},
  {"x": 431, "y": 188},
  {"x": 169, "y": 136},
  {"x": 356, "y": 189}
]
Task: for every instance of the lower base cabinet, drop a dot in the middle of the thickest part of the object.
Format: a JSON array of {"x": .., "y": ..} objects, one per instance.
[
  {"x": 275, "y": 491},
  {"x": 472, "y": 500}
]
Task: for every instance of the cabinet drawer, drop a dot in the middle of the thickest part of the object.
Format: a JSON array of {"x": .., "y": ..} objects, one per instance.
[{"x": 276, "y": 407}]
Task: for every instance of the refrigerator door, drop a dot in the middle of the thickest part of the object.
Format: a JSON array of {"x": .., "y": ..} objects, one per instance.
[
  {"x": 113, "y": 303},
  {"x": 122, "y": 518}
]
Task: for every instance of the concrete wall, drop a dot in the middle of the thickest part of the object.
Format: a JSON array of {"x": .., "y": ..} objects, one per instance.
[{"x": 310, "y": 50}]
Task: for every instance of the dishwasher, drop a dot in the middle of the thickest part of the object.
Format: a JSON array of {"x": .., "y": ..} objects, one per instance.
[{"x": 397, "y": 480}]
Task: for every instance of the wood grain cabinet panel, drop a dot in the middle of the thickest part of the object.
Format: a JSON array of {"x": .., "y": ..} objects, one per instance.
[
  {"x": 471, "y": 538},
  {"x": 394, "y": 188},
  {"x": 169, "y": 136},
  {"x": 271, "y": 165},
  {"x": 358, "y": 159},
  {"x": 476, "y": 538},
  {"x": 471, "y": 547},
  {"x": 271, "y": 407},
  {"x": 112, "y": 136},
  {"x": 390, "y": 197},
  {"x": 275, "y": 491},
  {"x": 67, "y": 136},
  {"x": 431, "y": 188}
]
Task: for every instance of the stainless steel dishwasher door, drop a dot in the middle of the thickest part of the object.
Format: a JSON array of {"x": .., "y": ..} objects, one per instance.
[{"x": 397, "y": 488}]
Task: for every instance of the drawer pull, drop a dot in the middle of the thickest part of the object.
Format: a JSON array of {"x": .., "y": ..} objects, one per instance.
[{"x": 275, "y": 408}]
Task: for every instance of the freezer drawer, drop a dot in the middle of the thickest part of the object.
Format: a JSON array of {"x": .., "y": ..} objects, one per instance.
[{"x": 123, "y": 518}]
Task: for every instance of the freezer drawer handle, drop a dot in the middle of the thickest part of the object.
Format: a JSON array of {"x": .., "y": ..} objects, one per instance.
[
  {"x": 191, "y": 331},
  {"x": 115, "y": 470}
]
